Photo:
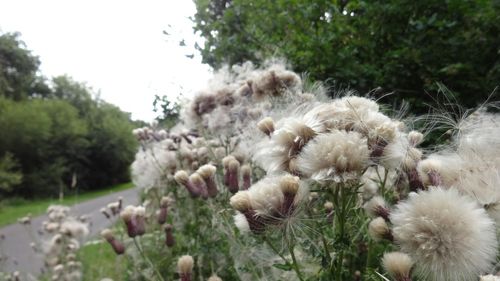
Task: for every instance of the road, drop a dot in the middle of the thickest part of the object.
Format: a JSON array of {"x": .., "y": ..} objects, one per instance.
[{"x": 16, "y": 245}]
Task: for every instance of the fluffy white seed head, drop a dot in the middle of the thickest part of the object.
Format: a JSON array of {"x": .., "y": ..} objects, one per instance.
[
  {"x": 415, "y": 138},
  {"x": 378, "y": 229},
  {"x": 140, "y": 211},
  {"x": 374, "y": 205},
  {"x": 107, "y": 234},
  {"x": 328, "y": 206},
  {"x": 207, "y": 171},
  {"x": 226, "y": 160},
  {"x": 289, "y": 184},
  {"x": 233, "y": 165},
  {"x": 241, "y": 201},
  {"x": 127, "y": 213},
  {"x": 266, "y": 126},
  {"x": 447, "y": 235},
  {"x": 241, "y": 223},
  {"x": 489, "y": 277},
  {"x": 397, "y": 264},
  {"x": 185, "y": 264},
  {"x": 196, "y": 179},
  {"x": 246, "y": 170},
  {"x": 181, "y": 177},
  {"x": 214, "y": 278},
  {"x": 447, "y": 166},
  {"x": 338, "y": 156}
]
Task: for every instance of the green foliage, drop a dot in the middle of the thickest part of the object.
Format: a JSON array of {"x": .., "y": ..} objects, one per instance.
[
  {"x": 169, "y": 111},
  {"x": 9, "y": 177},
  {"x": 400, "y": 46},
  {"x": 110, "y": 145},
  {"x": 56, "y": 134},
  {"x": 45, "y": 136},
  {"x": 18, "y": 70}
]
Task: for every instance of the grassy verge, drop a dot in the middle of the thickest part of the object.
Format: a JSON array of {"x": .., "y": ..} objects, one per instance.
[
  {"x": 107, "y": 265},
  {"x": 12, "y": 210}
]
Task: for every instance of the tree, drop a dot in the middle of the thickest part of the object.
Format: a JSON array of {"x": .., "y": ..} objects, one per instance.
[
  {"x": 401, "y": 46},
  {"x": 169, "y": 110},
  {"x": 46, "y": 137},
  {"x": 18, "y": 70},
  {"x": 9, "y": 175}
]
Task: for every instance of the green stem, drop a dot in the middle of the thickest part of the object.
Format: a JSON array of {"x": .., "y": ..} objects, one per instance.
[
  {"x": 294, "y": 260},
  {"x": 275, "y": 250},
  {"x": 147, "y": 260}
]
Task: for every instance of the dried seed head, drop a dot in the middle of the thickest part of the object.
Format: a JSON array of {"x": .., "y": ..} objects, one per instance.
[
  {"x": 127, "y": 213},
  {"x": 196, "y": 179},
  {"x": 376, "y": 207},
  {"x": 207, "y": 171},
  {"x": 415, "y": 138},
  {"x": 165, "y": 202},
  {"x": 246, "y": 170},
  {"x": 181, "y": 177},
  {"x": 233, "y": 165},
  {"x": 328, "y": 206},
  {"x": 266, "y": 126},
  {"x": 241, "y": 201},
  {"x": 140, "y": 211},
  {"x": 398, "y": 265},
  {"x": 107, "y": 234},
  {"x": 289, "y": 184},
  {"x": 185, "y": 264},
  {"x": 214, "y": 278},
  {"x": 378, "y": 229},
  {"x": 226, "y": 160}
]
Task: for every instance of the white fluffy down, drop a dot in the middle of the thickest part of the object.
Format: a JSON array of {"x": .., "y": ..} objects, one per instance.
[
  {"x": 447, "y": 234},
  {"x": 338, "y": 155}
]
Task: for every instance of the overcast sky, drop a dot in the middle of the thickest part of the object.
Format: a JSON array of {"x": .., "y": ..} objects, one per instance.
[{"x": 115, "y": 46}]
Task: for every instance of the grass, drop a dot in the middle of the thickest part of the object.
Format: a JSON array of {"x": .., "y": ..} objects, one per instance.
[
  {"x": 100, "y": 261},
  {"x": 11, "y": 210}
]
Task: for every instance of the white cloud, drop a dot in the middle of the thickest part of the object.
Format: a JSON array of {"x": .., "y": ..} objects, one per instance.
[{"x": 117, "y": 47}]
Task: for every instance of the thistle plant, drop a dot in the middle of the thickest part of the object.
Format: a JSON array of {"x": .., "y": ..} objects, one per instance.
[{"x": 265, "y": 178}]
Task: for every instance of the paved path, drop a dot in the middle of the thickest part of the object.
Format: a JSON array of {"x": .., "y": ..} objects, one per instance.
[{"x": 17, "y": 241}]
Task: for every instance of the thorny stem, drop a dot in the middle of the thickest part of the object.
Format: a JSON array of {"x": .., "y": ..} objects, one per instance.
[{"x": 147, "y": 260}]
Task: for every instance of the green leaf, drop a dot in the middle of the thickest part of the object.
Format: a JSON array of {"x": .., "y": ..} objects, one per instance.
[{"x": 284, "y": 267}]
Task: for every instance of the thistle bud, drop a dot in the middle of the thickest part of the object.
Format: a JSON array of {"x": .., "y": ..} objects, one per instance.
[
  {"x": 140, "y": 213},
  {"x": 169, "y": 236},
  {"x": 120, "y": 203},
  {"x": 207, "y": 172},
  {"x": 182, "y": 178},
  {"x": 246, "y": 174},
  {"x": 197, "y": 183},
  {"x": 117, "y": 246},
  {"x": 127, "y": 216},
  {"x": 105, "y": 213},
  {"x": 185, "y": 267},
  {"x": 266, "y": 126},
  {"x": 232, "y": 172},
  {"x": 162, "y": 215}
]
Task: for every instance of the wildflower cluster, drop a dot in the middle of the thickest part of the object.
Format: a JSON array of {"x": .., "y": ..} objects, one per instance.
[{"x": 265, "y": 178}]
